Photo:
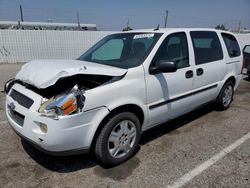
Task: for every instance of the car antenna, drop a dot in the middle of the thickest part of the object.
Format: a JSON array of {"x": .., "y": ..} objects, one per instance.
[{"x": 157, "y": 28}]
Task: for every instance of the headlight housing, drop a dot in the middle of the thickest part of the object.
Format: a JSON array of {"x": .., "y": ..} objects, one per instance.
[
  {"x": 8, "y": 85},
  {"x": 64, "y": 104}
]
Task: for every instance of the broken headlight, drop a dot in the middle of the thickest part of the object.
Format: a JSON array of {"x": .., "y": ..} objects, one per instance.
[
  {"x": 64, "y": 104},
  {"x": 8, "y": 86}
]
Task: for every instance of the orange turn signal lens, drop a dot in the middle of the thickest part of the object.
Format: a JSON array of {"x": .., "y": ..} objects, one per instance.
[
  {"x": 68, "y": 103},
  {"x": 70, "y": 109}
]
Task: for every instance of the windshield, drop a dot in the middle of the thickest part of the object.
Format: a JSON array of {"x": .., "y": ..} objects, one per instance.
[{"x": 124, "y": 50}]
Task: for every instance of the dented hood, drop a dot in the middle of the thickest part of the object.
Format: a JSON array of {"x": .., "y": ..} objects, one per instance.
[{"x": 44, "y": 73}]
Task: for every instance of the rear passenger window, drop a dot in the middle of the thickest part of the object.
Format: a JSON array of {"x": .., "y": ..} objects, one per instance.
[
  {"x": 232, "y": 45},
  {"x": 207, "y": 47}
]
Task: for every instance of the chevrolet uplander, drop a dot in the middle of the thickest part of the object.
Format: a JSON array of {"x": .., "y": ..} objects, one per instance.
[{"x": 125, "y": 84}]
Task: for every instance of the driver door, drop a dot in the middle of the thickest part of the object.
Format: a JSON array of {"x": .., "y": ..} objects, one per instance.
[{"x": 168, "y": 94}]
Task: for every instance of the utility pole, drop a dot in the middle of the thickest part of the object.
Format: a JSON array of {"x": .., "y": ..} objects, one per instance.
[
  {"x": 128, "y": 23},
  {"x": 21, "y": 13},
  {"x": 166, "y": 19},
  {"x": 239, "y": 25},
  {"x": 78, "y": 20}
]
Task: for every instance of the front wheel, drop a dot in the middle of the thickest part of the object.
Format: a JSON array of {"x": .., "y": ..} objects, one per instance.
[
  {"x": 226, "y": 96},
  {"x": 119, "y": 139}
]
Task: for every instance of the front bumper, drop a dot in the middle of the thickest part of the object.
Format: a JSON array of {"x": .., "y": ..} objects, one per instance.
[
  {"x": 68, "y": 134},
  {"x": 55, "y": 153}
]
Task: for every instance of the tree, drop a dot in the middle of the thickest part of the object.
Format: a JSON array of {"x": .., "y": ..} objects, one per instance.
[{"x": 221, "y": 27}]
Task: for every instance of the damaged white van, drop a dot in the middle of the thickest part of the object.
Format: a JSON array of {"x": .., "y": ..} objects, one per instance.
[{"x": 125, "y": 84}]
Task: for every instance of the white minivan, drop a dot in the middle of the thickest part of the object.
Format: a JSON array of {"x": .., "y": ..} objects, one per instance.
[{"x": 125, "y": 84}]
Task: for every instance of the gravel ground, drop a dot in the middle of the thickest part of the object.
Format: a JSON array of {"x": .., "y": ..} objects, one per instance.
[{"x": 166, "y": 152}]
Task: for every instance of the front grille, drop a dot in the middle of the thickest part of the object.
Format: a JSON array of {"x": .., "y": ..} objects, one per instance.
[
  {"x": 21, "y": 99},
  {"x": 17, "y": 117}
]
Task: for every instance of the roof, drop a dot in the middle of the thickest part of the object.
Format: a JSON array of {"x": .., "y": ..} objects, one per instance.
[{"x": 164, "y": 30}]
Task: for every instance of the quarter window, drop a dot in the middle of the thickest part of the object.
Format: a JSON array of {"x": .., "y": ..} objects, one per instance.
[
  {"x": 207, "y": 47},
  {"x": 232, "y": 45},
  {"x": 174, "y": 49}
]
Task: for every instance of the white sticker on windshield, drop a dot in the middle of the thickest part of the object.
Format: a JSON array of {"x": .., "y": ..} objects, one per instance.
[{"x": 148, "y": 35}]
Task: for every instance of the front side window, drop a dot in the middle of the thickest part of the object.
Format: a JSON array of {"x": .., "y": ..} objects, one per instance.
[
  {"x": 174, "y": 49},
  {"x": 124, "y": 50},
  {"x": 232, "y": 45},
  {"x": 207, "y": 47}
]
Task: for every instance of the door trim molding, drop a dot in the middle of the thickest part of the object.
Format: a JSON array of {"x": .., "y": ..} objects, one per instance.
[
  {"x": 231, "y": 62},
  {"x": 181, "y": 97}
]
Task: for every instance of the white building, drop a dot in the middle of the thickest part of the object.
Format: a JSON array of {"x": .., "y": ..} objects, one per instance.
[{"x": 14, "y": 25}]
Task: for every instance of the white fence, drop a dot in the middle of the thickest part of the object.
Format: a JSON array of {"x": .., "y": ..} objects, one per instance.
[{"x": 25, "y": 45}]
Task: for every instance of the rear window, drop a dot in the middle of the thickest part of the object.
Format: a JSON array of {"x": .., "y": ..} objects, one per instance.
[
  {"x": 207, "y": 47},
  {"x": 232, "y": 45}
]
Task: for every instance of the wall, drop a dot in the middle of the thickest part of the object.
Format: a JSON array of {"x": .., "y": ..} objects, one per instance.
[{"x": 25, "y": 45}]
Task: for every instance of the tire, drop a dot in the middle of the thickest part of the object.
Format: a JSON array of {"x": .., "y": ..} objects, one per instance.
[
  {"x": 226, "y": 96},
  {"x": 113, "y": 149}
]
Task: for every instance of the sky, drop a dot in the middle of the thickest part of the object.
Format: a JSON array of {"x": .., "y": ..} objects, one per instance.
[{"x": 114, "y": 14}]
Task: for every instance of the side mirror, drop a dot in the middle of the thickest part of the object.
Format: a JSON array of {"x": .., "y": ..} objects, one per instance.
[{"x": 163, "y": 66}]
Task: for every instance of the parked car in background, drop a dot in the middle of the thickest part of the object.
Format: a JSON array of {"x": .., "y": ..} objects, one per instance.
[
  {"x": 246, "y": 61},
  {"x": 124, "y": 85}
]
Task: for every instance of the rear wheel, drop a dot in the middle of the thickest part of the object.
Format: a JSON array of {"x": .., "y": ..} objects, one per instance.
[
  {"x": 226, "y": 96},
  {"x": 119, "y": 139}
]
